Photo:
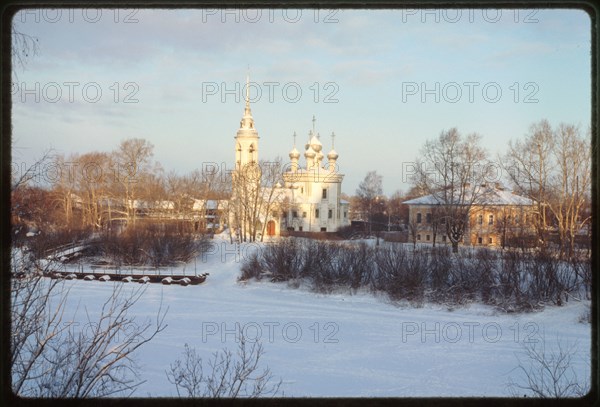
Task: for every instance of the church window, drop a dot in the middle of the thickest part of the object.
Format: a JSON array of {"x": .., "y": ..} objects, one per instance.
[
  {"x": 300, "y": 228},
  {"x": 419, "y": 217},
  {"x": 480, "y": 219},
  {"x": 345, "y": 214},
  {"x": 323, "y": 229},
  {"x": 317, "y": 213},
  {"x": 304, "y": 214},
  {"x": 428, "y": 218},
  {"x": 491, "y": 220},
  {"x": 294, "y": 214},
  {"x": 324, "y": 194},
  {"x": 330, "y": 214}
]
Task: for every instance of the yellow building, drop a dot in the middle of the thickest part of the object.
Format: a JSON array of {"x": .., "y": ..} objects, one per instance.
[{"x": 495, "y": 217}]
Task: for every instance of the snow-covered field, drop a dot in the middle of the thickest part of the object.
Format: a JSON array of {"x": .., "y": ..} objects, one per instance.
[{"x": 341, "y": 344}]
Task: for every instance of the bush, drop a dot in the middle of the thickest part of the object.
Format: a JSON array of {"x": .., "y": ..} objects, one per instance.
[
  {"x": 152, "y": 245},
  {"x": 512, "y": 280}
]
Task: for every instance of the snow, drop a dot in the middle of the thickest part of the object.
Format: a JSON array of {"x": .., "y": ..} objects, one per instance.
[{"x": 339, "y": 344}]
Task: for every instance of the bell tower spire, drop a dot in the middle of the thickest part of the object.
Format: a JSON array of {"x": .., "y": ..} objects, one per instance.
[
  {"x": 247, "y": 121},
  {"x": 246, "y": 146}
]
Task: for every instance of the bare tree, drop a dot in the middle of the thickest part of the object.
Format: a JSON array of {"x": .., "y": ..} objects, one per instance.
[
  {"x": 547, "y": 373},
  {"x": 256, "y": 191},
  {"x": 23, "y": 46},
  {"x": 553, "y": 167},
  {"x": 369, "y": 190},
  {"x": 452, "y": 169},
  {"x": 397, "y": 211},
  {"x": 52, "y": 357},
  {"x": 227, "y": 376},
  {"x": 132, "y": 160}
]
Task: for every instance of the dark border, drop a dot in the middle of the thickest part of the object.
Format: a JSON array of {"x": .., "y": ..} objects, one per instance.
[{"x": 12, "y": 6}]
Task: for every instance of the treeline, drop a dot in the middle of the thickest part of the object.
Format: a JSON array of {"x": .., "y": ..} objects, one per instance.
[
  {"x": 94, "y": 191},
  {"x": 511, "y": 280}
]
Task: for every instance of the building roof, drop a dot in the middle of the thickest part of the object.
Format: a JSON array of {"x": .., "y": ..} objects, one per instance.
[{"x": 487, "y": 196}]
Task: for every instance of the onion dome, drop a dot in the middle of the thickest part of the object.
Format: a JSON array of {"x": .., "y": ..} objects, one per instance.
[
  {"x": 294, "y": 154},
  {"x": 332, "y": 155},
  {"x": 309, "y": 153},
  {"x": 315, "y": 143}
]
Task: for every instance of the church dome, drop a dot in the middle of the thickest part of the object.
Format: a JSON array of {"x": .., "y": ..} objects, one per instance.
[
  {"x": 294, "y": 154},
  {"x": 319, "y": 156},
  {"x": 315, "y": 143},
  {"x": 332, "y": 155},
  {"x": 310, "y": 153}
]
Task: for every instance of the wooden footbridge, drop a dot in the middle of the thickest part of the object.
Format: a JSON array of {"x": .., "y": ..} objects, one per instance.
[{"x": 137, "y": 276}]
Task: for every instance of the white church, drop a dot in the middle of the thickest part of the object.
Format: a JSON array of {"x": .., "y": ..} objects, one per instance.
[{"x": 309, "y": 200}]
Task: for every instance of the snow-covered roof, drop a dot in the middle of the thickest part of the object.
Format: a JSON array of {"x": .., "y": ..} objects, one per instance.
[
  {"x": 211, "y": 204},
  {"x": 139, "y": 204},
  {"x": 486, "y": 196}
]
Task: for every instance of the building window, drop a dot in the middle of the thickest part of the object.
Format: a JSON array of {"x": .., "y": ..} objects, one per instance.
[
  {"x": 480, "y": 219},
  {"x": 317, "y": 213},
  {"x": 323, "y": 229},
  {"x": 330, "y": 214},
  {"x": 490, "y": 240},
  {"x": 419, "y": 237},
  {"x": 300, "y": 228},
  {"x": 304, "y": 214},
  {"x": 479, "y": 240},
  {"x": 491, "y": 220},
  {"x": 419, "y": 217},
  {"x": 345, "y": 214},
  {"x": 444, "y": 238},
  {"x": 427, "y": 237},
  {"x": 517, "y": 219},
  {"x": 274, "y": 214},
  {"x": 428, "y": 218},
  {"x": 294, "y": 214},
  {"x": 301, "y": 190},
  {"x": 324, "y": 194}
]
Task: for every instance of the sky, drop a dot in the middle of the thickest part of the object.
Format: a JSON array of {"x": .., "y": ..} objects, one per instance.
[{"x": 384, "y": 81}]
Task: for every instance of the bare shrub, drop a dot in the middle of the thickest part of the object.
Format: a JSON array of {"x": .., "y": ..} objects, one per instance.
[
  {"x": 152, "y": 244},
  {"x": 400, "y": 277},
  {"x": 251, "y": 268},
  {"x": 225, "y": 374}
]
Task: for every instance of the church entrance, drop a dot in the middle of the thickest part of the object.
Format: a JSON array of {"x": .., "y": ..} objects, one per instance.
[{"x": 271, "y": 228}]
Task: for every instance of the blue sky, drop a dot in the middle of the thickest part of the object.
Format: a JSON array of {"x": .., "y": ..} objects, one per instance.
[{"x": 370, "y": 76}]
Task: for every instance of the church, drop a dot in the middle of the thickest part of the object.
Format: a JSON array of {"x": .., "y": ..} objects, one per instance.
[{"x": 307, "y": 200}]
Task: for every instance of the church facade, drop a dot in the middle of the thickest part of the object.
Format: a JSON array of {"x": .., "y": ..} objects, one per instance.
[{"x": 306, "y": 199}]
